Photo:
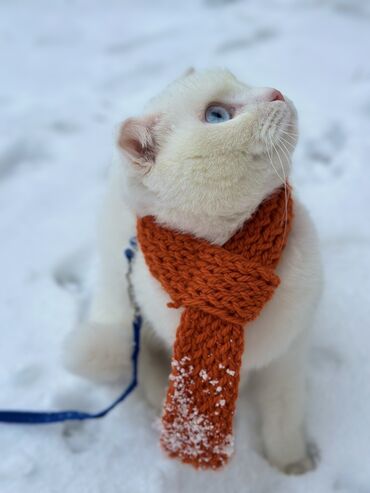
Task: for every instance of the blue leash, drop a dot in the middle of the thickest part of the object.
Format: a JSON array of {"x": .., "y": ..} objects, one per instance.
[{"x": 41, "y": 417}]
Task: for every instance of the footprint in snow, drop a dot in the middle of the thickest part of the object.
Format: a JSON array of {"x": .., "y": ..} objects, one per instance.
[
  {"x": 70, "y": 272},
  {"x": 258, "y": 36},
  {"x": 78, "y": 436},
  {"x": 219, "y": 3},
  {"x": 323, "y": 358},
  {"x": 64, "y": 127},
  {"x": 322, "y": 152},
  {"x": 22, "y": 152},
  {"x": 346, "y": 484},
  {"x": 28, "y": 375},
  {"x": 16, "y": 464},
  {"x": 71, "y": 275}
]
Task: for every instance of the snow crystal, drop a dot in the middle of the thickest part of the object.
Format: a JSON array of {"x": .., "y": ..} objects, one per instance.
[{"x": 203, "y": 374}]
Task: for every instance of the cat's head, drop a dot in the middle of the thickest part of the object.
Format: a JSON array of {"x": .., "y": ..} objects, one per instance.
[{"x": 207, "y": 151}]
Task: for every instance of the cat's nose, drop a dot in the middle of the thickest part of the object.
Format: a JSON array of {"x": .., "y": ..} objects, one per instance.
[{"x": 275, "y": 95}]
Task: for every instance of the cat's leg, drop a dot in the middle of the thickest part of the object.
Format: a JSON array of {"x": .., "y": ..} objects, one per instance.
[
  {"x": 99, "y": 349},
  {"x": 281, "y": 389},
  {"x": 154, "y": 369}
]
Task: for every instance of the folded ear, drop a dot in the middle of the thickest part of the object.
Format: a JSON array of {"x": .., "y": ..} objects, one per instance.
[{"x": 137, "y": 140}]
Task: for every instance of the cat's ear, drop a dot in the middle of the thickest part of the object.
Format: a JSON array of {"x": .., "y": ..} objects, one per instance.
[{"x": 138, "y": 142}]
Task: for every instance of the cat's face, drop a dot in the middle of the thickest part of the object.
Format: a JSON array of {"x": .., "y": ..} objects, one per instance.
[{"x": 209, "y": 146}]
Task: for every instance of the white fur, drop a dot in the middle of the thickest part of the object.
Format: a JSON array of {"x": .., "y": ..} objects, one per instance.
[{"x": 207, "y": 180}]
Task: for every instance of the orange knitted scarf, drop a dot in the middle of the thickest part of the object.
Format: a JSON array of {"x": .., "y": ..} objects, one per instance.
[{"x": 220, "y": 288}]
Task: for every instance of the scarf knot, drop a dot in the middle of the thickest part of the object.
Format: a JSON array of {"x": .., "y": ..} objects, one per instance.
[{"x": 222, "y": 284}]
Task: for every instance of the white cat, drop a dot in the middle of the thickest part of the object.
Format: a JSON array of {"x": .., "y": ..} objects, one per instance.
[{"x": 204, "y": 155}]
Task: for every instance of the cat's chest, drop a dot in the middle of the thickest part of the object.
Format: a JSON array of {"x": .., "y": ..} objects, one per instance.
[
  {"x": 153, "y": 300},
  {"x": 266, "y": 337}
]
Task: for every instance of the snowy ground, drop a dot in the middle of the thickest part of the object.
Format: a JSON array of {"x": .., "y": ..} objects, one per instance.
[{"x": 70, "y": 70}]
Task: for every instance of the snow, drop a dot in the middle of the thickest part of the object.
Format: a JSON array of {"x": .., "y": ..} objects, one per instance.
[
  {"x": 70, "y": 71},
  {"x": 190, "y": 435}
]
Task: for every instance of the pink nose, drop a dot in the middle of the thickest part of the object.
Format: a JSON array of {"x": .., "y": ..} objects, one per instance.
[{"x": 276, "y": 95}]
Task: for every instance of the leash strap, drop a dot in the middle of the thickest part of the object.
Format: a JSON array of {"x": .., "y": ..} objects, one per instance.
[{"x": 44, "y": 417}]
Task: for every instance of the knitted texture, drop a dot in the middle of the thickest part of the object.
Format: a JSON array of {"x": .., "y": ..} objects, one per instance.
[{"x": 220, "y": 289}]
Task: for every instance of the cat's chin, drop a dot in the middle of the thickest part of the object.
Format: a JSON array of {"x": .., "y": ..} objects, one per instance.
[{"x": 215, "y": 229}]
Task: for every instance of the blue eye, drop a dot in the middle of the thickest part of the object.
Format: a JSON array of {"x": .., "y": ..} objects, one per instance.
[{"x": 217, "y": 114}]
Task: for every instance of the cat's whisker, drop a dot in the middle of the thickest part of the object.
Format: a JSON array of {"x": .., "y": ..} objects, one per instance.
[
  {"x": 289, "y": 134},
  {"x": 271, "y": 161},
  {"x": 287, "y": 150},
  {"x": 285, "y": 218},
  {"x": 284, "y": 150},
  {"x": 290, "y": 131},
  {"x": 289, "y": 144}
]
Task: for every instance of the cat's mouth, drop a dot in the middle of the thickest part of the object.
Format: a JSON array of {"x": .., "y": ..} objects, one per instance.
[{"x": 278, "y": 125}]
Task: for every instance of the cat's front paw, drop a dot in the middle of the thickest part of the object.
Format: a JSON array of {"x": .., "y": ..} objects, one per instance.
[
  {"x": 154, "y": 370},
  {"x": 300, "y": 467},
  {"x": 98, "y": 352},
  {"x": 287, "y": 463},
  {"x": 293, "y": 456}
]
